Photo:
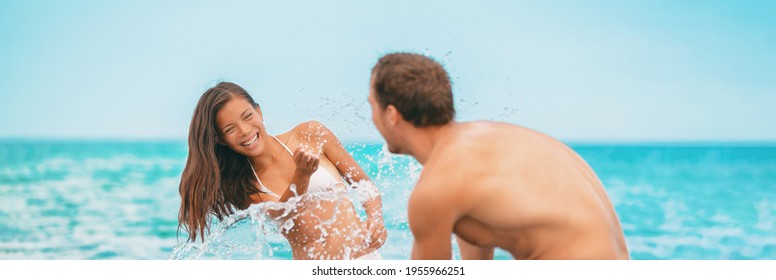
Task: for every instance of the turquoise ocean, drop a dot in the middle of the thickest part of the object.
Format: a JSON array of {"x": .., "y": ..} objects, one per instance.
[{"x": 119, "y": 199}]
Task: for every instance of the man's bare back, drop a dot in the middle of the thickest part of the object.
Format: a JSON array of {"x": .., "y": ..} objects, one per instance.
[
  {"x": 505, "y": 186},
  {"x": 492, "y": 184}
]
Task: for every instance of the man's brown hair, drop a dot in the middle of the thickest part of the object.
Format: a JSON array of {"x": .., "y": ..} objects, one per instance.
[{"x": 417, "y": 86}]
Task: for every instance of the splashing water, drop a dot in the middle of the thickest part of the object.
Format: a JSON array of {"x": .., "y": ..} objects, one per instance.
[
  {"x": 253, "y": 234},
  {"x": 318, "y": 225}
]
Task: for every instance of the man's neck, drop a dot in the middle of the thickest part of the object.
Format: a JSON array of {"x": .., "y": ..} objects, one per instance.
[{"x": 422, "y": 140}]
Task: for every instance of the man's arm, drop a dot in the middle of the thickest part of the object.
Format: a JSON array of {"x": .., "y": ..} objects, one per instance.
[
  {"x": 473, "y": 252},
  {"x": 440, "y": 200},
  {"x": 431, "y": 217}
]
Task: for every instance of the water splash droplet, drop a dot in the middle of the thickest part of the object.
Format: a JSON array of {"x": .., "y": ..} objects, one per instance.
[{"x": 288, "y": 225}]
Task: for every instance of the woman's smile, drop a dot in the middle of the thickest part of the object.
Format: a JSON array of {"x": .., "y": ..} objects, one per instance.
[{"x": 251, "y": 143}]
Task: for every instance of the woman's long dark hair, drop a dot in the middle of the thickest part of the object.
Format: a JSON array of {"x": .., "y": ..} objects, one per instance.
[{"x": 216, "y": 180}]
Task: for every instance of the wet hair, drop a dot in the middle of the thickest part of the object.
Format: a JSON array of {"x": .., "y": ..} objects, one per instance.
[
  {"x": 216, "y": 180},
  {"x": 417, "y": 86}
]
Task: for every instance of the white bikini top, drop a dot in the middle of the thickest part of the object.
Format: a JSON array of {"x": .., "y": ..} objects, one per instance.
[{"x": 320, "y": 180}]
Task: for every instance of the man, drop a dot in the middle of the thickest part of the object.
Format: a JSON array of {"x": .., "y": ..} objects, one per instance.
[{"x": 491, "y": 184}]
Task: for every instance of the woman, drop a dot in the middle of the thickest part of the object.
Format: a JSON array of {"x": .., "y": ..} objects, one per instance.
[{"x": 233, "y": 162}]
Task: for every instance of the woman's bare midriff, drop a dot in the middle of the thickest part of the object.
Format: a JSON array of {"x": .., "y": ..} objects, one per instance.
[{"x": 327, "y": 229}]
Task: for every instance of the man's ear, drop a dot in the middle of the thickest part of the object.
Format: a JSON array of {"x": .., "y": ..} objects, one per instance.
[{"x": 392, "y": 114}]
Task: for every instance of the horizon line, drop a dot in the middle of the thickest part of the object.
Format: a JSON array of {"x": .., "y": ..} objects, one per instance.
[{"x": 349, "y": 141}]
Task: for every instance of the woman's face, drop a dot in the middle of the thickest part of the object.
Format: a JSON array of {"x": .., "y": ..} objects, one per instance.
[{"x": 241, "y": 127}]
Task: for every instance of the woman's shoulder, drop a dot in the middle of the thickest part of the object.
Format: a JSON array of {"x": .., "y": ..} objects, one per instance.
[
  {"x": 309, "y": 133},
  {"x": 310, "y": 126},
  {"x": 307, "y": 129}
]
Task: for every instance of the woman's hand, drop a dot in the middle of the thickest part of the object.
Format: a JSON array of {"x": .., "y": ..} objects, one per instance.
[
  {"x": 376, "y": 233},
  {"x": 306, "y": 162}
]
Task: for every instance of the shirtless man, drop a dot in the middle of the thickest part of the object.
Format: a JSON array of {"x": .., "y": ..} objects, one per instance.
[{"x": 491, "y": 184}]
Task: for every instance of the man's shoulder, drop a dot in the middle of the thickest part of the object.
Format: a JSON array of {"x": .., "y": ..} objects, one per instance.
[
  {"x": 464, "y": 142},
  {"x": 437, "y": 189},
  {"x": 473, "y": 148}
]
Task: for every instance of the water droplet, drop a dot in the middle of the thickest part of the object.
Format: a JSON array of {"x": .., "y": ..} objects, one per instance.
[{"x": 288, "y": 225}]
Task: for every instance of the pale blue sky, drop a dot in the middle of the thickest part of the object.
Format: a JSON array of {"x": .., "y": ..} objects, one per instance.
[{"x": 579, "y": 71}]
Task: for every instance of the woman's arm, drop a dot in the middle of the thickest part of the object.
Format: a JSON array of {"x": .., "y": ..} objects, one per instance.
[
  {"x": 347, "y": 166},
  {"x": 353, "y": 174}
]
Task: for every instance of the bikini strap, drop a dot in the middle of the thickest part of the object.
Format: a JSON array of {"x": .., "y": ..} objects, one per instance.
[
  {"x": 261, "y": 186},
  {"x": 284, "y": 145}
]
